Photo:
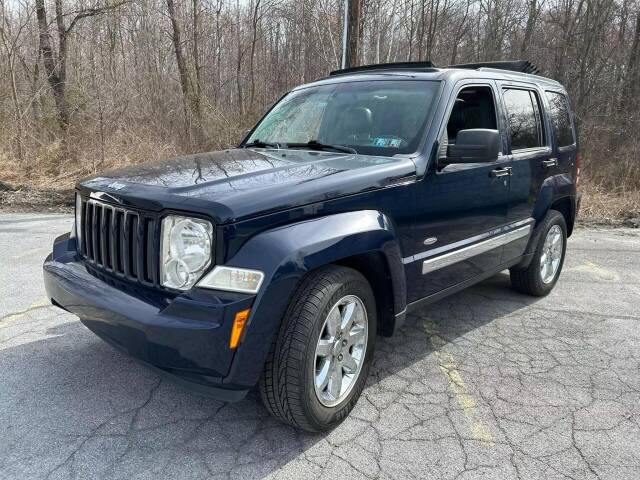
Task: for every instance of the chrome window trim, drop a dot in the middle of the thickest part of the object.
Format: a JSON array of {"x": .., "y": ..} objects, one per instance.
[
  {"x": 467, "y": 241},
  {"x": 531, "y": 150},
  {"x": 466, "y": 253}
]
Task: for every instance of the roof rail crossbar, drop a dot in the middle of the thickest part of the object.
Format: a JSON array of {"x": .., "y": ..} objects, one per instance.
[
  {"x": 386, "y": 66},
  {"x": 522, "y": 66}
]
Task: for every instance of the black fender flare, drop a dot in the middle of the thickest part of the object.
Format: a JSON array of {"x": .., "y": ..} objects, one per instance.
[
  {"x": 553, "y": 189},
  {"x": 286, "y": 254}
]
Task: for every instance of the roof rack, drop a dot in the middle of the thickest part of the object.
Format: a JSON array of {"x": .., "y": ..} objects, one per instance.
[
  {"x": 385, "y": 66},
  {"x": 522, "y": 66}
]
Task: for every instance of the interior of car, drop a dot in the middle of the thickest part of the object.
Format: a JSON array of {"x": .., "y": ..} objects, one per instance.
[{"x": 474, "y": 107}]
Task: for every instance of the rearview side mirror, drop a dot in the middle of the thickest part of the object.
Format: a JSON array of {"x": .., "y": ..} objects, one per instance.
[{"x": 476, "y": 145}]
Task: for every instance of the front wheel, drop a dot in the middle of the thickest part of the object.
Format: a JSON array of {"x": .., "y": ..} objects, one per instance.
[
  {"x": 318, "y": 364},
  {"x": 541, "y": 275}
]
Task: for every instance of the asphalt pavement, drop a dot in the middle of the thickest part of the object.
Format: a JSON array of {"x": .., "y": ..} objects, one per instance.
[{"x": 485, "y": 384}]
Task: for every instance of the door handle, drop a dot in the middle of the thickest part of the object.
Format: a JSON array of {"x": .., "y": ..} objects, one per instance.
[
  {"x": 500, "y": 172},
  {"x": 552, "y": 162}
]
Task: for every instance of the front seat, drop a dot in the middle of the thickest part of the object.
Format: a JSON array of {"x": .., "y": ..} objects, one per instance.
[
  {"x": 355, "y": 125},
  {"x": 457, "y": 120}
]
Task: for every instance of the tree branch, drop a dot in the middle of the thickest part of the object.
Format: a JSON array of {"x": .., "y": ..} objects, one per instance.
[{"x": 92, "y": 12}]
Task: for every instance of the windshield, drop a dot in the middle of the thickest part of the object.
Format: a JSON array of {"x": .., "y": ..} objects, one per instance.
[{"x": 383, "y": 117}]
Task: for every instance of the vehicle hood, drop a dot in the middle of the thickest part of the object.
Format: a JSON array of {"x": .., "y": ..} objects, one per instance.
[{"x": 239, "y": 183}]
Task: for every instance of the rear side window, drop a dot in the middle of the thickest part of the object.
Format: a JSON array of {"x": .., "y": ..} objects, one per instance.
[
  {"x": 523, "y": 116},
  {"x": 560, "y": 118}
]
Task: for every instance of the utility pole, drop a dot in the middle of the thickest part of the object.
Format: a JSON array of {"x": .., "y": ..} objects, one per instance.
[{"x": 351, "y": 32}]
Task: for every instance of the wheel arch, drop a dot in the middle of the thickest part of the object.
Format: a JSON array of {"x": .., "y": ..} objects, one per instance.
[
  {"x": 363, "y": 240},
  {"x": 375, "y": 268},
  {"x": 557, "y": 193},
  {"x": 566, "y": 206}
]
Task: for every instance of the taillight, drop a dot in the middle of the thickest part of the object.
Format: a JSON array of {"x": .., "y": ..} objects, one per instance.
[{"x": 578, "y": 165}]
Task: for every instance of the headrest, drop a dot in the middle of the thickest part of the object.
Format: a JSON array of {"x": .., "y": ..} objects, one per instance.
[
  {"x": 357, "y": 120},
  {"x": 458, "y": 117}
]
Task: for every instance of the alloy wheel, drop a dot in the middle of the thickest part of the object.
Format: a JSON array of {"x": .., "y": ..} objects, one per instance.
[
  {"x": 340, "y": 350},
  {"x": 551, "y": 254}
]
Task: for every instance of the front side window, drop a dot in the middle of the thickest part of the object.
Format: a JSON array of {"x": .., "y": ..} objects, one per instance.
[
  {"x": 560, "y": 118},
  {"x": 473, "y": 107},
  {"x": 383, "y": 117},
  {"x": 523, "y": 117}
]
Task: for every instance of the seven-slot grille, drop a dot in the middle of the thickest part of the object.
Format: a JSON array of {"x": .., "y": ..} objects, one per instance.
[{"x": 120, "y": 241}]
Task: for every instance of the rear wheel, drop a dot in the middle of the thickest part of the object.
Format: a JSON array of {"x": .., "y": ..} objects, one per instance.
[
  {"x": 541, "y": 275},
  {"x": 318, "y": 364}
]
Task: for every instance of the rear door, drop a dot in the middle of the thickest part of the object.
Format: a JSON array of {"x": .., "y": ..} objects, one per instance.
[{"x": 530, "y": 154}]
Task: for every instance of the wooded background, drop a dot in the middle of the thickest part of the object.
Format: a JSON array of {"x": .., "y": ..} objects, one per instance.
[{"x": 91, "y": 84}]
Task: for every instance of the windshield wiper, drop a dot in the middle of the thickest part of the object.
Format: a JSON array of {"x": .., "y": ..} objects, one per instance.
[
  {"x": 316, "y": 145},
  {"x": 261, "y": 144}
]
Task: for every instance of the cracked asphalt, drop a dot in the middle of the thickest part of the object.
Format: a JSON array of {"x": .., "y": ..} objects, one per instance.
[{"x": 485, "y": 384}]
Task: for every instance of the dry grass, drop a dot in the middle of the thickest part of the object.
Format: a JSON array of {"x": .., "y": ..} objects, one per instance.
[
  {"x": 84, "y": 159},
  {"x": 47, "y": 166},
  {"x": 603, "y": 205},
  {"x": 40, "y": 188}
]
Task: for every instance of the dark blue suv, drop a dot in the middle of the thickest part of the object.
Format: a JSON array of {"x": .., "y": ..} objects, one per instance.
[{"x": 355, "y": 200}]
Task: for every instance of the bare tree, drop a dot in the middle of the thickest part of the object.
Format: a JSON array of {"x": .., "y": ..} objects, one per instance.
[
  {"x": 56, "y": 63},
  {"x": 123, "y": 81},
  {"x": 354, "y": 26},
  {"x": 9, "y": 41},
  {"x": 191, "y": 94}
]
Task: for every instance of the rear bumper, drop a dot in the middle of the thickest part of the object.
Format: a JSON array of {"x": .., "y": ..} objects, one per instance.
[{"x": 183, "y": 337}]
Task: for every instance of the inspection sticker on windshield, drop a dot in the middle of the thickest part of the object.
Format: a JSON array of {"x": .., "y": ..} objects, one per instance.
[{"x": 387, "y": 142}]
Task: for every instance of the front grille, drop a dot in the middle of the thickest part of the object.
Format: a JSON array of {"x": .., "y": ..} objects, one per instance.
[{"x": 120, "y": 241}]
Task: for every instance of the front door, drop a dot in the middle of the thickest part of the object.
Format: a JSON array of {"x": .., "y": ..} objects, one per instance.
[{"x": 460, "y": 208}]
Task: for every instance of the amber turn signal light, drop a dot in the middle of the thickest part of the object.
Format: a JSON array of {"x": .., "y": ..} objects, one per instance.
[{"x": 239, "y": 323}]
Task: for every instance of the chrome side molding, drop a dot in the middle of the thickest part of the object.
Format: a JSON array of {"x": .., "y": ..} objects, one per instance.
[
  {"x": 467, "y": 241},
  {"x": 465, "y": 253}
]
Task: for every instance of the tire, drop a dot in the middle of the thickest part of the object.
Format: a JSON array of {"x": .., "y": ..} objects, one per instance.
[
  {"x": 288, "y": 383},
  {"x": 532, "y": 280}
]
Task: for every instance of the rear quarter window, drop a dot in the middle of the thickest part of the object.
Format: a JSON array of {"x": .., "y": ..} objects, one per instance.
[{"x": 560, "y": 118}]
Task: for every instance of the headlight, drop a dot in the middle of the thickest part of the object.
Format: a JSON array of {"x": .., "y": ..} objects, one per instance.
[
  {"x": 186, "y": 251},
  {"x": 233, "y": 279}
]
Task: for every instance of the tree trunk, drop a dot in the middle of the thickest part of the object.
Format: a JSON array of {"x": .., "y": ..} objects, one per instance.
[
  {"x": 252, "y": 54},
  {"x": 354, "y": 33},
  {"x": 239, "y": 56},
  {"x": 532, "y": 18},
  {"x": 55, "y": 67},
  {"x": 10, "y": 49},
  {"x": 197, "y": 92},
  {"x": 191, "y": 102},
  {"x": 631, "y": 90}
]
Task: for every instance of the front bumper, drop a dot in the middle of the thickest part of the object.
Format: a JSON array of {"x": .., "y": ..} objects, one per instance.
[{"x": 184, "y": 337}]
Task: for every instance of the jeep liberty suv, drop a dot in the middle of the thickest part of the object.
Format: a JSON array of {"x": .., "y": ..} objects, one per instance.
[{"x": 355, "y": 200}]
